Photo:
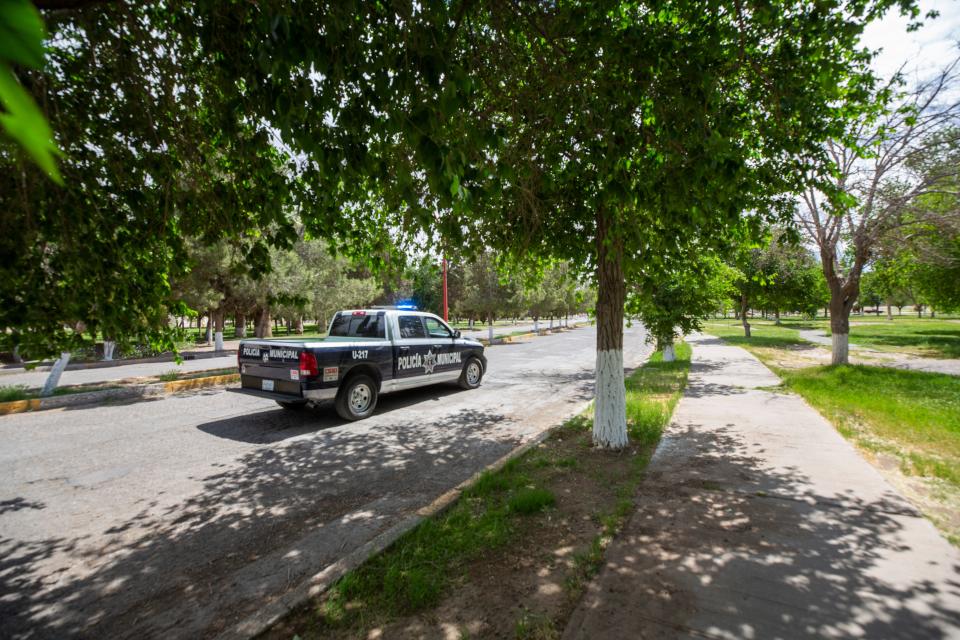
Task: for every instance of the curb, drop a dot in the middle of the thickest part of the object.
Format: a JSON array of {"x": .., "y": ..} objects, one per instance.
[
  {"x": 274, "y": 612},
  {"x": 154, "y": 389}
]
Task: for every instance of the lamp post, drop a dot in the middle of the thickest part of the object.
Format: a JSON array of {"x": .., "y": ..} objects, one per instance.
[{"x": 445, "y": 308}]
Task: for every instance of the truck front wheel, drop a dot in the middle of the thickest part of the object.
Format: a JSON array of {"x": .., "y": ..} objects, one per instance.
[
  {"x": 472, "y": 374},
  {"x": 357, "y": 399}
]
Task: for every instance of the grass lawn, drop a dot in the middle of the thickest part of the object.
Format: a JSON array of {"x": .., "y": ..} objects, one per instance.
[
  {"x": 911, "y": 417},
  {"x": 539, "y": 525}
]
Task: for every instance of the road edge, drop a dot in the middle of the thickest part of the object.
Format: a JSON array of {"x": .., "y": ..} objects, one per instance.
[{"x": 152, "y": 390}]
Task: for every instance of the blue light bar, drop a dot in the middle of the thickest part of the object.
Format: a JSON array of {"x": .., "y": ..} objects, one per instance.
[{"x": 406, "y": 305}]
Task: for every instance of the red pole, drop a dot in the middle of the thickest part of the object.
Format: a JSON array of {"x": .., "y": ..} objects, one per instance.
[{"x": 445, "y": 310}]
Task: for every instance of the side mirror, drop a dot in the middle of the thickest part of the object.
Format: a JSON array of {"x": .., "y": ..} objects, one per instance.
[{"x": 456, "y": 334}]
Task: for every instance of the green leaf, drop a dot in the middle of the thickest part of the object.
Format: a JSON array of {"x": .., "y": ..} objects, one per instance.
[
  {"x": 24, "y": 122},
  {"x": 21, "y": 33}
]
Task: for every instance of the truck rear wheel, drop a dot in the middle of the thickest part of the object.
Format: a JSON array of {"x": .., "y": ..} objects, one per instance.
[
  {"x": 472, "y": 374},
  {"x": 357, "y": 399}
]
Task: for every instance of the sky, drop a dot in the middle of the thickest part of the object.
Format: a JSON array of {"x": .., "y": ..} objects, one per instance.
[{"x": 925, "y": 50}]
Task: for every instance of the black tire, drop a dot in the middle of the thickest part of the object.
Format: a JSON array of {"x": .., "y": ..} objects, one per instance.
[
  {"x": 472, "y": 374},
  {"x": 357, "y": 398},
  {"x": 296, "y": 405}
]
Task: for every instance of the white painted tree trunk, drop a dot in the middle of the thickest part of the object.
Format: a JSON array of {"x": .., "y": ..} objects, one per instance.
[
  {"x": 490, "y": 330},
  {"x": 841, "y": 348},
  {"x": 108, "y": 348},
  {"x": 536, "y": 324},
  {"x": 551, "y": 323},
  {"x": 669, "y": 355},
  {"x": 218, "y": 341},
  {"x": 53, "y": 379},
  {"x": 16, "y": 354},
  {"x": 610, "y": 406},
  {"x": 209, "y": 329}
]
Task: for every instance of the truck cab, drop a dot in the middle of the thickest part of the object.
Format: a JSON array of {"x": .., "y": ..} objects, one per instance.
[{"x": 367, "y": 352}]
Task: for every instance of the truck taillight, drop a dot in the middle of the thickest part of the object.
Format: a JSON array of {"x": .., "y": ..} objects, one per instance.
[{"x": 308, "y": 364}]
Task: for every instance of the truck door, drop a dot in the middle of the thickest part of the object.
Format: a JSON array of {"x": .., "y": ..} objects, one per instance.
[
  {"x": 447, "y": 353},
  {"x": 415, "y": 355}
]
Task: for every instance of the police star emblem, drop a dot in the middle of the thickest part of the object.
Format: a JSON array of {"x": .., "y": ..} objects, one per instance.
[{"x": 429, "y": 362}]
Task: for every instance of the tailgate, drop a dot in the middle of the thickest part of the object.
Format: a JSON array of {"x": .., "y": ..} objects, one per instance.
[{"x": 270, "y": 367}]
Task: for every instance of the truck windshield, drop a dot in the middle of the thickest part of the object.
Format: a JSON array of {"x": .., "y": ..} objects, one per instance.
[{"x": 357, "y": 326}]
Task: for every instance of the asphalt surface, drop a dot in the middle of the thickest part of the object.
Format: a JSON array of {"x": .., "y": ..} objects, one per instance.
[
  {"x": 178, "y": 517},
  {"x": 36, "y": 378}
]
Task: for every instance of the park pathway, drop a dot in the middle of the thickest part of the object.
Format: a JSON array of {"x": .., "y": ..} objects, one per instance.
[
  {"x": 888, "y": 359},
  {"x": 758, "y": 520}
]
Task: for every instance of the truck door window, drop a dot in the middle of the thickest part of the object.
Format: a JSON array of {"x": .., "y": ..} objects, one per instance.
[
  {"x": 436, "y": 329},
  {"x": 358, "y": 326},
  {"x": 411, "y": 327}
]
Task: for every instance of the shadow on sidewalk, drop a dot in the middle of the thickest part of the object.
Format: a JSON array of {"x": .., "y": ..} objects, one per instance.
[{"x": 726, "y": 547}]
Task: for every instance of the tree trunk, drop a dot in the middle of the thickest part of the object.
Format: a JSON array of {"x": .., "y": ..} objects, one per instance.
[
  {"x": 536, "y": 324},
  {"x": 16, "y": 354},
  {"x": 551, "y": 323},
  {"x": 108, "y": 348},
  {"x": 240, "y": 327},
  {"x": 610, "y": 406},
  {"x": 840, "y": 307},
  {"x": 889, "y": 312},
  {"x": 217, "y": 317},
  {"x": 209, "y": 336},
  {"x": 264, "y": 328},
  {"x": 298, "y": 326},
  {"x": 490, "y": 328},
  {"x": 53, "y": 378},
  {"x": 744, "y": 304},
  {"x": 776, "y": 317},
  {"x": 669, "y": 353}
]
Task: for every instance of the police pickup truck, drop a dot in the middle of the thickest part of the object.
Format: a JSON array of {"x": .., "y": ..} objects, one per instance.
[{"x": 366, "y": 352}]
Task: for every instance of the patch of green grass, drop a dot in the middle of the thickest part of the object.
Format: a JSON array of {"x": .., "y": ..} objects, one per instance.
[
  {"x": 169, "y": 376},
  {"x": 14, "y": 392},
  {"x": 652, "y": 393},
  {"x": 914, "y": 413},
  {"x": 531, "y": 500}
]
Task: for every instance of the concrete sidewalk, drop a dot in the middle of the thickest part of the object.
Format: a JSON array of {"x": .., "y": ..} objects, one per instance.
[{"x": 758, "y": 520}]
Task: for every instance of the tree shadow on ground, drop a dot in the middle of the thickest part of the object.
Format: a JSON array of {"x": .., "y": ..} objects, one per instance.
[
  {"x": 724, "y": 546},
  {"x": 257, "y": 528}
]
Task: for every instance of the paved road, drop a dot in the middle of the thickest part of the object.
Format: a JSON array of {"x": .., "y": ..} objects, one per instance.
[
  {"x": 172, "y": 518},
  {"x": 758, "y": 520},
  {"x": 36, "y": 378}
]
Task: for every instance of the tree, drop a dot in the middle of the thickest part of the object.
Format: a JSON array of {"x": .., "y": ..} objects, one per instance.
[
  {"x": 599, "y": 133},
  {"x": 152, "y": 158},
  {"x": 871, "y": 182},
  {"x": 625, "y": 131},
  {"x": 674, "y": 303},
  {"x": 791, "y": 278},
  {"x": 487, "y": 292}
]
